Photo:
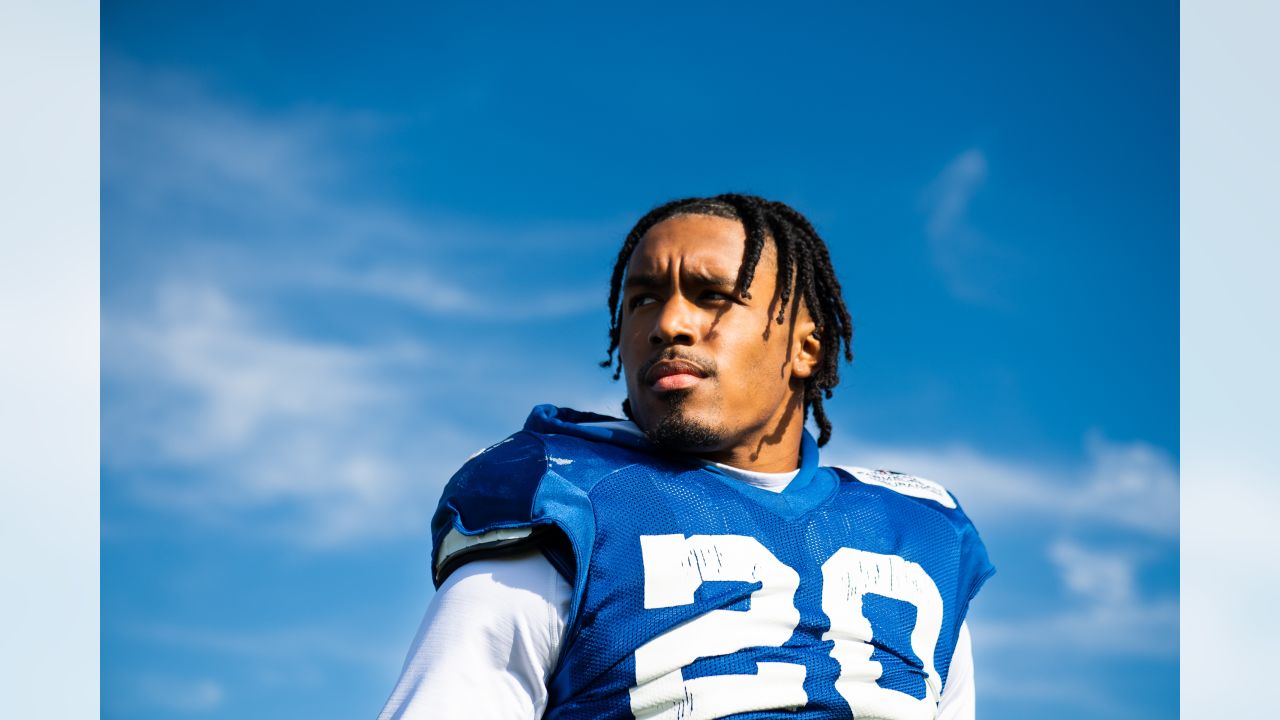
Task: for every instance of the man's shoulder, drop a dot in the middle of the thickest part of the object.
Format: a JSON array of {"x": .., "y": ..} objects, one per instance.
[
  {"x": 901, "y": 483},
  {"x": 530, "y": 485},
  {"x": 520, "y": 447},
  {"x": 906, "y": 496}
]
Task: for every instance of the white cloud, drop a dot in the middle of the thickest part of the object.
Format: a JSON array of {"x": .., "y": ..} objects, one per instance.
[
  {"x": 177, "y": 694},
  {"x": 1016, "y": 684},
  {"x": 953, "y": 189},
  {"x": 1106, "y": 577},
  {"x": 968, "y": 261},
  {"x": 253, "y": 419},
  {"x": 247, "y": 378},
  {"x": 1107, "y": 614},
  {"x": 431, "y": 294},
  {"x": 245, "y": 197},
  {"x": 315, "y": 643},
  {"x": 167, "y": 140},
  {"x": 216, "y": 413},
  {"x": 1132, "y": 486}
]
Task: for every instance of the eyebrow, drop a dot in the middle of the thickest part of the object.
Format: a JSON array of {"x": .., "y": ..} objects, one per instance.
[{"x": 648, "y": 280}]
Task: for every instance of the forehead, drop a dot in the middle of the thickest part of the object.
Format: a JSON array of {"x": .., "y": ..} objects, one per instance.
[{"x": 694, "y": 242}]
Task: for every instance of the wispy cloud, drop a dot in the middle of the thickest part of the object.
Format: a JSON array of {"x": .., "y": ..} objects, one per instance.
[
  {"x": 994, "y": 683},
  {"x": 271, "y": 647},
  {"x": 166, "y": 140},
  {"x": 256, "y": 419},
  {"x": 1107, "y": 614},
  {"x": 1106, "y": 578},
  {"x": 272, "y": 199},
  {"x": 969, "y": 262},
  {"x": 431, "y": 294},
  {"x": 1056, "y": 651},
  {"x": 219, "y": 406},
  {"x": 178, "y": 694},
  {"x": 1131, "y": 486}
]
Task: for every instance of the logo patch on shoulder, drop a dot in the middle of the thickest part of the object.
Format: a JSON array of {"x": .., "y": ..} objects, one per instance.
[{"x": 903, "y": 484}]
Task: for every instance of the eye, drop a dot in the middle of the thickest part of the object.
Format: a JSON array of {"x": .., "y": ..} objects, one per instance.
[
  {"x": 640, "y": 300},
  {"x": 717, "y": 296}
]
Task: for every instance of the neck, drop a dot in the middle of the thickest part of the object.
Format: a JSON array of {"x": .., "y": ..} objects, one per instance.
[{"x": 772, "y": 447}]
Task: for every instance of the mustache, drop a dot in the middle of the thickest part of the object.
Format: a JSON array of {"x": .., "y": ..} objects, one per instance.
[{"x": 705, "y": 365}]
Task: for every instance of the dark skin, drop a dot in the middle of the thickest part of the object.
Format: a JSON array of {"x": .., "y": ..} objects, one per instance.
[{"x": 697, "y": 352}]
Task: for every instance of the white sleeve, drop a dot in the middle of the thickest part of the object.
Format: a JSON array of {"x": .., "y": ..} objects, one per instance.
[
  {"x": 487, "y": 644},
  {"x": 958, "y": 697}
]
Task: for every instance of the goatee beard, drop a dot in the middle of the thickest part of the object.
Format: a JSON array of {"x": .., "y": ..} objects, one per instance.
[{"x": 676, "y": 432}]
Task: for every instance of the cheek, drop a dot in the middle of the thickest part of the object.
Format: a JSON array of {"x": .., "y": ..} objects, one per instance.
[
  {"x": 754, "y": 366},
  {"x": 631, "y": 344}
]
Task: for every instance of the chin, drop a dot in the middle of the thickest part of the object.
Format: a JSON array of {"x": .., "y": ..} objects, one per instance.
[{"x": 676, "y": 428}]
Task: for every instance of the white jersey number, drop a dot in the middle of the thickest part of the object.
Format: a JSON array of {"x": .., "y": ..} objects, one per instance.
[
  {"x": 676, "y": 566},
  {"x": 846, "y": 579}
]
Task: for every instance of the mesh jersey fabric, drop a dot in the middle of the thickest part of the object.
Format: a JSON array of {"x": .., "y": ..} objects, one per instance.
[{"x": 775, "y": 637}]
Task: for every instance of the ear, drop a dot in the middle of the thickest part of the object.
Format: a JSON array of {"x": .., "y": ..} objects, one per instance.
[{"x": 806, "y": 348}]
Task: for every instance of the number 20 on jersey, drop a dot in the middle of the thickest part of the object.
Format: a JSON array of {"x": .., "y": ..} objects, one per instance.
[{"x": 675, "y": 567}]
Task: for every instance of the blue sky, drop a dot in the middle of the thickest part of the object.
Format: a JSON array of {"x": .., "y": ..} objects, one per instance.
[{"x": 342, "y": 251}]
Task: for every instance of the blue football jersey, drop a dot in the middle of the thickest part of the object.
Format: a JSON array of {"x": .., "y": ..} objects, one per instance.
[{"x": 698, "y": 596}]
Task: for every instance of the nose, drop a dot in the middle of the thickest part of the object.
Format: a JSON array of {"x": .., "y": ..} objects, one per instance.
[{"x": 677, "y": 324}]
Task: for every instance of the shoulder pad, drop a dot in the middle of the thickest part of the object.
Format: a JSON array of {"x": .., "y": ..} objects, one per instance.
[
  {"x": 903, "y": 484},
  {"x": 487, "y": 505}
]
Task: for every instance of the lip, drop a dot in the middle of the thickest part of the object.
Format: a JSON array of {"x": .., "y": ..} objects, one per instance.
[{"x": 668, "y": 375}]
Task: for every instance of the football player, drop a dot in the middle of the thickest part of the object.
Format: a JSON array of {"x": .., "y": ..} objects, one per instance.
[{"x": 696, "y": 560}]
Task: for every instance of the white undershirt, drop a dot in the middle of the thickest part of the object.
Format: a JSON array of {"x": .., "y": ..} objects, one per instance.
[{"x": 491, "y": 635}]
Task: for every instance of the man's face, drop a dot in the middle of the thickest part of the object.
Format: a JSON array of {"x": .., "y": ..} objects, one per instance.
[{"x": 706, "y": 369}]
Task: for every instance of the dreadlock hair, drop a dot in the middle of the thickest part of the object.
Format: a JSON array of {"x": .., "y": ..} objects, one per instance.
[{"x": 801, "y": 253}]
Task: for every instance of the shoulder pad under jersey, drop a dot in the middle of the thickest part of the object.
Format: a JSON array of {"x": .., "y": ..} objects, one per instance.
[
  {"x": 935, "y": 495},
  {"x": 487, "y": 506},
  {"x": 903, "y": 484}
]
